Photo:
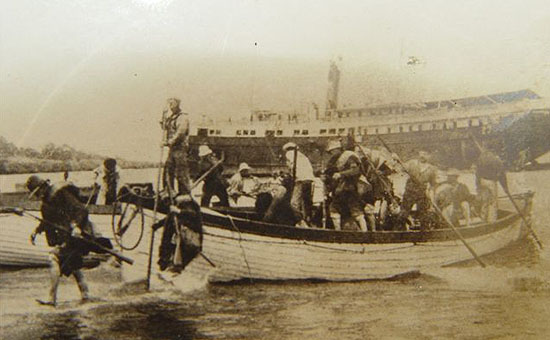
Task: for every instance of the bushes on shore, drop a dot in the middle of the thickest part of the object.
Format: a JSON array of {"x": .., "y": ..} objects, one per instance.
[{"x": 53, "y": 158}]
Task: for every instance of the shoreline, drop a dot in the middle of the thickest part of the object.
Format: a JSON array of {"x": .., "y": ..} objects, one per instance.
[{"x": 31, "y": 166}]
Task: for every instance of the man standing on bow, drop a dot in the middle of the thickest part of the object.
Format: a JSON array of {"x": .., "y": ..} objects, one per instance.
[
  {"x": 176, "y": 129},
  {"x": 301, "y": 199}
]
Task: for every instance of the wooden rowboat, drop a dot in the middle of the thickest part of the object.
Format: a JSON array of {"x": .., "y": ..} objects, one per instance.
[
  {"x": 15, "y": 246},
  {"x": 244, "y": 248}
]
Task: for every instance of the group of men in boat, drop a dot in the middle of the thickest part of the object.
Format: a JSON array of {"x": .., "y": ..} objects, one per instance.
[
  {"x": 358, "y": 189},
  {"x": 358, "y": 195}
]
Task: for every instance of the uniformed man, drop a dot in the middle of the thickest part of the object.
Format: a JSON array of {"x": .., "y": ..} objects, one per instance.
[
  {"x": 176, "y": 128},
  {"x": 342, "y": 173},
  {"x": 214, "y": 183},
  {"x": 489, "y": 170},
  {"x": 61, "y": 208},
  {"x": 107, "y": 179},
  {"x": 242, "y": 183},
  {"x": 373, "y": 187},
  {"x": 301, "y": 200},
  {"x": 454, "y": 199},
  {"x": 182, "y": 235},
  {"x": 419, "y": 188}
]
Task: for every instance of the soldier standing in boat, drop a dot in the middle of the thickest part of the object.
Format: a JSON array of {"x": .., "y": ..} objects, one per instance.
[
  {"x": 419, "y": 188},
  {"x": 61, "y": 208},
  {"x": 301, "y": 199},
  {"x": 176, "y": 129},
  {"x": 342, "y": 173},
  {"x": 107, "y": 179},
  {"x": 489, "y": 170},
  {"x": 214, "y": 183},
  {"x": 376, "y": 185}
]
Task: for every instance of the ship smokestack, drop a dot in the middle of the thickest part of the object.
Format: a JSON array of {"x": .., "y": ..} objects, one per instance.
[{"x": 333, "y": 85}]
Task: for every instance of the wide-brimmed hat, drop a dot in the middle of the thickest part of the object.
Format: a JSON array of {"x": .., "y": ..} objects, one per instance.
[
  {"x": 289, "y": 145},
  {"x": 334, "y": 144},
  {"x": 33, "y": 184},
  {"x": 244, "y": 166},
  {"x": 204, "y": 150}
]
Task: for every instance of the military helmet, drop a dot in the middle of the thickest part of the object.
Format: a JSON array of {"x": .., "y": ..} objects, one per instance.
[
  {"x": 289, "y": 146},
  {"x": 334, "y": 144},
  {"x": 204, "y": 150},
  {"x": 244, "y": 166},
  {"x": 34, "y": 183}
]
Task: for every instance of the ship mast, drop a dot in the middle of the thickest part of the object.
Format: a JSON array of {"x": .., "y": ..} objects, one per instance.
[{"x": 332, "y": 92}]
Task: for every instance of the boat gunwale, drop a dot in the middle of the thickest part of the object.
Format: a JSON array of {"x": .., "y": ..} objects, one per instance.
[{"x": 280, "y": 231}]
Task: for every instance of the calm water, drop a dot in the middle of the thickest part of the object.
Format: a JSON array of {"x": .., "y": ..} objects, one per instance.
[{"x": 509, "y": 299}]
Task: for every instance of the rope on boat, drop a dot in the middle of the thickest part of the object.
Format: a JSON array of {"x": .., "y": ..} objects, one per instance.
[
  {"x": 362, "y": 251},
  {"x": 240, "y": 245},
  {"x": 119, "y": 230}
]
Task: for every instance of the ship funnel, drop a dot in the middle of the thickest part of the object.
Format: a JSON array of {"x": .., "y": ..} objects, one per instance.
[{"x": 333, "y": 85}]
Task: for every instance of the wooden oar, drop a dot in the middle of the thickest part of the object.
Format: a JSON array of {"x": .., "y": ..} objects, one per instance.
[
  {"x": 387, "y": 186},
  {"x": 504, "y": 184},
  {"x": 203, "y": 176},
  {"x": 91, "y": 242},
  {"x": 157, "y": 197},
  {"x": 437, "y": 210}
]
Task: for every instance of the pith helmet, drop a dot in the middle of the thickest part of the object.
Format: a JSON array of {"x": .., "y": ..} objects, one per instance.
[
  {"x": 244, "y": 166},
  {"x": 204, "y": 150},
  {"x": 334, "y": 144},
  {"x": 288, "y": 146},
  {"x": 34, "y": 183}
]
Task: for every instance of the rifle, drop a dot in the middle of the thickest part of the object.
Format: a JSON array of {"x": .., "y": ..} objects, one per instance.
[
  {"x": 89, "y": 241},
  {"x": 203, "y": 176},
  {"x": 388, "y": 190}
]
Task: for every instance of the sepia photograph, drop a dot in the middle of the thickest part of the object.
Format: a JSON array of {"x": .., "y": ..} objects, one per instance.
[{"x": 257, "y": 169}]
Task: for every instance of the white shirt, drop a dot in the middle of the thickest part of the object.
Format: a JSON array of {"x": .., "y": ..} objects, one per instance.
[{"x": 304, "y": 170}]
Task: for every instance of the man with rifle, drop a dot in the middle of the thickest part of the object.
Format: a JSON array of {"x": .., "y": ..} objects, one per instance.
[
  {"x": 376, "y": 171},
  {"x": 419, "y": 188},
  {"x": 342, "y": 174},
  {"x": 68, "y": 230}
]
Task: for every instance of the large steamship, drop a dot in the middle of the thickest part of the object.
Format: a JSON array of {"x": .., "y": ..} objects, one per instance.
[{"x": 513, "y": 124}]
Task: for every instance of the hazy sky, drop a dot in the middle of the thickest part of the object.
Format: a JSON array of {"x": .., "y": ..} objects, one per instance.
[{"x": 96, "y": 74}]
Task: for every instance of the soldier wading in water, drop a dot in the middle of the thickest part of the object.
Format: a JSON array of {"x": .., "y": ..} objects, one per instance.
[{"x": 65, "y": 222}]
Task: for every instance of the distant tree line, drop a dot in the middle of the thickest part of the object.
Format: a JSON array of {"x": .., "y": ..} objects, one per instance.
[{"x": 52, "y": 158}]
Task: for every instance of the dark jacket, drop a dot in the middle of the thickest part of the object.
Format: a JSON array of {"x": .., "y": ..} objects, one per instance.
[{"x": 61, "y": 206}]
